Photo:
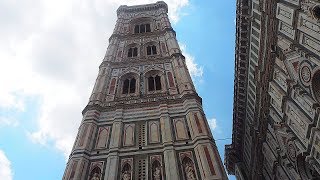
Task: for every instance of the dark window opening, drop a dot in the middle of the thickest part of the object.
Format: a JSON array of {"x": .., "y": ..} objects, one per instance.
[
  {"x": 148, "y": 50},
  {"x": 136, "y": 29},
  {"x": 151, "y": 50},
  {"x": 133, "y": 85},
  {"x": 129, "y": 86},
  {"x": 154, "y": 50},
  {"x": 154, "y": 83},
  {"x": 130, "y": 52},
  {"x": 142, "y": 28},
  {"x": 133, "y": 52},
  {"x": 158, "y": 82},
  {"x": 151, "y": 84},
  {"x": 148, "y": 29},
  {"x": 316, "y": 12},
  {"x": 125, "y": 86}
]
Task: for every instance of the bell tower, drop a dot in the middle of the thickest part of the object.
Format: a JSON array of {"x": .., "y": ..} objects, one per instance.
[{"x": 144, "y": 119}]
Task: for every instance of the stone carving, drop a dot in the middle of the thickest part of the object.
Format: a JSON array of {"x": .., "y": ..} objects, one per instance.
[
  {"x": 126, "y": 175},
  {"x": 189, "y": 171},
  {"x": 305, "y": 74},
  {"x": 95, "y": 177},
  {"x": 157, "y": 173}
]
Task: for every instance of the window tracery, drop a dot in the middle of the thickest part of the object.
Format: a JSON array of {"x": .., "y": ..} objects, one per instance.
[
  {"x": 151, "y": 50},
  {"x": 142, "y": 28},
  {"x": 133, "y": 52},
  {"x": 154, "y": 83},
  {"x": 129, "y": 86}
]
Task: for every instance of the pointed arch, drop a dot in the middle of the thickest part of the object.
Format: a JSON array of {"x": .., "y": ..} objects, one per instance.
[
  {"x": 129, "y": 84},
  {"x": 95, "y": 173},
  {"x": 155, "y": 81}
]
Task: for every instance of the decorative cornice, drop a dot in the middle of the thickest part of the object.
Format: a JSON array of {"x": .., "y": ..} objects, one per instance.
[
  {"x": 141, "y": 101},
  {"x": 134, "y": 36},
  {"x": 140, "y": 8}
]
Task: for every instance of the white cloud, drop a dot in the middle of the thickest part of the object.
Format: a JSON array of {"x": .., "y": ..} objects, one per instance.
[
  {"x": 5, "y": 167},
  {"x": 212, "y": 124},
  {"x": 6, "y": 121},
  {"x": 52, "y": 50}
]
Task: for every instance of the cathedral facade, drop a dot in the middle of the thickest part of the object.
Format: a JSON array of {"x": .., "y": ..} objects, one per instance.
[
  {"x": 144, "y": 119},
  {"x": 276, "y": 122}
]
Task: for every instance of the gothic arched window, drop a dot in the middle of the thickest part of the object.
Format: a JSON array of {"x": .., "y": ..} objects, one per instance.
[
  {"x": 133, "y": 52},
  {"x": 142, "y": 28},
  {"x": 151, "y": 50},
  {"x": 129, "y": 86},
  {"x": 154, "y": 83}
]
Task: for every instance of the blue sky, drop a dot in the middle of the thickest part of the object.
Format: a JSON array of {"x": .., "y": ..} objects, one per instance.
[{"x": 50, "y": 53}]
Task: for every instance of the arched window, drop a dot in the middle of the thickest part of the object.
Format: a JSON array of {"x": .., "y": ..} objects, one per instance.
[
  {"x": 129, "y": 86},
  {"x": 133, "y": 52},
  {"x": 154, "y": 83},
  {"x": 142, "y": 28},
  {"x": 151, "y": 50}
]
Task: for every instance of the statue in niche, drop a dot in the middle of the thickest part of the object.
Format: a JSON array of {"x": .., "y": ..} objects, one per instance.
[
  {"x": 126, "y": 175},
  {"x": 95, "y": 176},
  {"x": 189, "y": 172},
  {"x": 157, "y": 173}
]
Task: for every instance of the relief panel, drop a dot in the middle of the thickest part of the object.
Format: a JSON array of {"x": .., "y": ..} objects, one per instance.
[
  {"x": 156, "y": 169},
  {"x": 310, "y": 43},
  {"x": 154, "y": 132},
  {"x": 126, "y": 169},
  {"x": 308, "y": 26},
  {"x": 276, "y": 97},
  {"x": 295, "y": 2},
  {"x": 285, "y": 13},
  {"x": 128, "y": 135},
  {"x": 304, "y": 101},
  {"x": 187, "y": 166},
  {"x": 286, "y": 29},
  {"x": 280, "y": 79},
  {"x": 298, "y": 123},
  {"x": 95, "y": 171},
  {"x": 103, "y": 137},
  {"x": 180, "y": 129}
]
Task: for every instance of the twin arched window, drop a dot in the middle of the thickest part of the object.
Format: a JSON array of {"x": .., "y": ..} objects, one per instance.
[
  {"x": 151, "y": 50},
  {"x": 154, "y": 83},
  {"x": 133, "y": 52},
  {"x": 142, "y": 28},
  {"x": 129, "y": 86}
]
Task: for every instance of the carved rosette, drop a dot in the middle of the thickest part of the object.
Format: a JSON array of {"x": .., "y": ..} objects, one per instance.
[{"x": 305, "y": 74}]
